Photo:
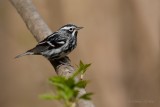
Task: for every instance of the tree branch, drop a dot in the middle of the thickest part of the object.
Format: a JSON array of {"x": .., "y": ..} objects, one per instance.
[{"x": 40, "y": 30}]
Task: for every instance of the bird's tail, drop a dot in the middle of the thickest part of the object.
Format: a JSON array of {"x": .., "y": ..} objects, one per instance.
[{"x": 23, "y": 54}]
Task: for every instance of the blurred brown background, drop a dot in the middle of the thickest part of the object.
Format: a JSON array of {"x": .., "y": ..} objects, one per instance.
[{"x": 121, "y": 39}]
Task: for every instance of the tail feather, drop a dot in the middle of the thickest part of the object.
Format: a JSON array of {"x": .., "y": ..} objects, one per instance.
[{"x": 23, "y": 54}]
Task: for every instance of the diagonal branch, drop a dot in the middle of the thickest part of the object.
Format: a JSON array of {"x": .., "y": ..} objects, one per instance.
[{"x": 40, "y": 30}]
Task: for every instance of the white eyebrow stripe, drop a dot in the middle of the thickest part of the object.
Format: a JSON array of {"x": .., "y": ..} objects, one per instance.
[{"x": 67, "y": 28}]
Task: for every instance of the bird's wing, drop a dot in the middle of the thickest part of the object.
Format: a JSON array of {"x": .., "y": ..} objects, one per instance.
[{"x": 53, "y": 41}]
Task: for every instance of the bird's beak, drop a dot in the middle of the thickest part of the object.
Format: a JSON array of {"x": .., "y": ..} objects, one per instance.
[{"x": 78, "y": 28}]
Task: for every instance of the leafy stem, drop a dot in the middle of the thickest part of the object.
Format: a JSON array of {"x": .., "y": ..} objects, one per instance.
[{"x": 67, "y": 89}]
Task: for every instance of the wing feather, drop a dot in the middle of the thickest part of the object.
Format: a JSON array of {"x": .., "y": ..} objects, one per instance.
[{"x": 53, "y": 41}]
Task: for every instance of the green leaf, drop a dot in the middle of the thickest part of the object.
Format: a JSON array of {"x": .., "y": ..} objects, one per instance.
[
  {"x": 82, "y": 84},
  {"x": 60, "y": 86},
  {"x": 75, "y": 74},
  {"x": 63, "y": 95},
  {"x": 85, "y": 67},
  {"x": 81, "y": 63},
  {"x": 86, "y": 96},
  {"x": 59, "y": 82},
  {"x": 75, "y": 94},
  {"x": 70, "y": 82},
  {"x": 66, "y": 94},
  {"x": 49, "y": 97},
  {"x": 69, "y": 94},
  {"x": 81, "y": 69},
  {"x": 57, "y": 79}
]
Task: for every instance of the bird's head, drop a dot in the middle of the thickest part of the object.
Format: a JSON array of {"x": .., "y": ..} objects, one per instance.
[{"x": 70, "y": 29}]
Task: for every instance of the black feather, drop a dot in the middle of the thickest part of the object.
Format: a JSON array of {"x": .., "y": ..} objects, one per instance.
[{"x": 51, "y": 42}]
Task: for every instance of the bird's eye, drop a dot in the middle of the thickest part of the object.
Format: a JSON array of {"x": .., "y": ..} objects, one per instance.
[{"x": 71, "y": 29}]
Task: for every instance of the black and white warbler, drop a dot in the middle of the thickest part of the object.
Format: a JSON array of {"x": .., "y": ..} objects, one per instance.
[{"x": 58, "y": 44}]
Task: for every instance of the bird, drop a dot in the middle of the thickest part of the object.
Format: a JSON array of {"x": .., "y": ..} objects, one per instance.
[{"x": 57, "y": 45}]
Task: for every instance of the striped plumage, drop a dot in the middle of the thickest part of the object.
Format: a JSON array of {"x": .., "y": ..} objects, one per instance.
[{"x": 56, "y": 45}]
